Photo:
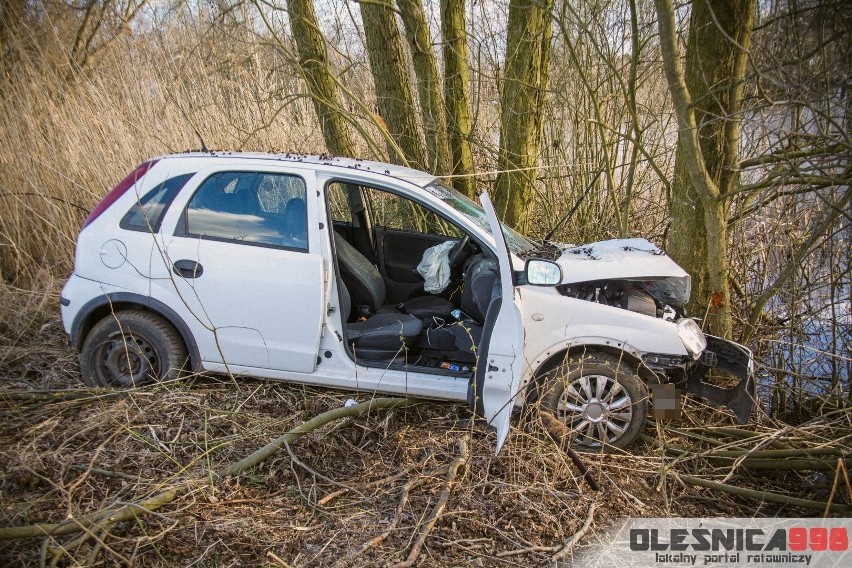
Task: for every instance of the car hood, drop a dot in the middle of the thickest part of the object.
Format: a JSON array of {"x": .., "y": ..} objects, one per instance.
[{"x": 626, "y": 259}]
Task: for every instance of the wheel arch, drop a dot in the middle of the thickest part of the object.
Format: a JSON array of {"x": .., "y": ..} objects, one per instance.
[
  {"x": 102, "y": 306},
  {"x": 553, "y": 357}
]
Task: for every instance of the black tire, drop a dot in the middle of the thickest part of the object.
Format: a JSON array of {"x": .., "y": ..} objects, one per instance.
[
  {"x": 131, "y": 348},
  {"x": 606, "y": 398}
]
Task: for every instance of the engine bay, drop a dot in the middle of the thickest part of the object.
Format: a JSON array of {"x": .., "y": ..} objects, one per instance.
[{"x": 634, "y": 296}]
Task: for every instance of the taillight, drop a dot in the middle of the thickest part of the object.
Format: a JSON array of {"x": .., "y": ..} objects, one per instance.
[{"x": 118, "y": 191}]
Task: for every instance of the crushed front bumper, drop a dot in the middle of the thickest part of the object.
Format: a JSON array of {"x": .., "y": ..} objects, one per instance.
[{"x": 731, "y": 359}]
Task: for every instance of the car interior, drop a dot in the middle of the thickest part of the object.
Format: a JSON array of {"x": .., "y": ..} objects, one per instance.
[{"x": 379, "y": 240}]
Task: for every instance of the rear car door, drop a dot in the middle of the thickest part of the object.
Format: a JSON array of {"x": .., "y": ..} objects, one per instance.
[
  {"x": 498, "y": 371},
  {"x": 238, "y": 263}
]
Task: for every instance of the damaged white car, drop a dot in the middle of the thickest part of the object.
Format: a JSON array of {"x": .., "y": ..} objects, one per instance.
[{"x": 311, "y": 269}]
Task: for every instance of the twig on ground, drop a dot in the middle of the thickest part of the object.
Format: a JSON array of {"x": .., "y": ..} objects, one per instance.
[
  {"x": 432, "y": 518},
  {"x": 403, "y": 500},
  {"x": 133, "y": 510},
  {"x": 575, "y": 538}
]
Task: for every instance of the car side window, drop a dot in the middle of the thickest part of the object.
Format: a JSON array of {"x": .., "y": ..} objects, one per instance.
[
  {"x": 147, "y": 213},
  {"x": 257, "y": 208},
  {"x": 396, "y": 212}
]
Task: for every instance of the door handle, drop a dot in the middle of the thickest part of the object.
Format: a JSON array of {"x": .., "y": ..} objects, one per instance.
[{"x": 187, "y": 268}]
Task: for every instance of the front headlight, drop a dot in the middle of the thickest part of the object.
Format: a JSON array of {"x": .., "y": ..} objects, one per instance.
[{"x": 692, "y": 336}]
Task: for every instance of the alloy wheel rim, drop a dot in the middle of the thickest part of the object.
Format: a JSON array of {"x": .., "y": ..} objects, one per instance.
[{"x": 596, "y": 409}]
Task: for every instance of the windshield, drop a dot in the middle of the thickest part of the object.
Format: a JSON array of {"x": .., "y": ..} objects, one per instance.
[{"x": 516, "y": 242}]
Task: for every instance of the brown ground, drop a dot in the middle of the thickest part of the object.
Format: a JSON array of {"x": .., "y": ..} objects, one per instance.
[{"x": 340, "y": 487}]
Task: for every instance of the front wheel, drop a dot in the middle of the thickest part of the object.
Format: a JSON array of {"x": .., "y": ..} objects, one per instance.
[
  {"x": 131, "y": 348},
  {"x": 600, "y": 399}
]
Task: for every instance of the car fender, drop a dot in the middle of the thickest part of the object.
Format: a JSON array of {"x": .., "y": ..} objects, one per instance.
[{"x": 122, "y": 300}]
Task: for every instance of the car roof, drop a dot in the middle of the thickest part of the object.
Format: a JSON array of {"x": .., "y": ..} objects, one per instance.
[{"x": 323, "y": 162}]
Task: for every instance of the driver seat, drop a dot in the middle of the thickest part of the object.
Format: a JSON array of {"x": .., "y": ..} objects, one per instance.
[{"x": 368, "y": 293}]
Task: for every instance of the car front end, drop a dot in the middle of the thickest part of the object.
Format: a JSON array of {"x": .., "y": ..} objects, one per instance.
[{"x": 626, "y": 296}]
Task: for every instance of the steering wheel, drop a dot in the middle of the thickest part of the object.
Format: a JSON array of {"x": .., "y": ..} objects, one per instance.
[{"x": 455, "y": 255}]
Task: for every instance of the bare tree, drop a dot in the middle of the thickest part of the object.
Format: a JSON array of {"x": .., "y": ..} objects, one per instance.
[
  {"x": 428, "y": 85},
  {"x": 707, "y": 97},
  {"x": 394, "y": 97},
  {"x": 522, "y": 106},
  {"x": 457, "y": 93},
  {"x": 313, "y": 60}
]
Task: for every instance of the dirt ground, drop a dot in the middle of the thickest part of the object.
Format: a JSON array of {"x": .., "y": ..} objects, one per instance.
[{"x": 357, "y": 491}]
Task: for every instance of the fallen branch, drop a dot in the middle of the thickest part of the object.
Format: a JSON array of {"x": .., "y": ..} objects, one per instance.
[
  {"x": 449, "y": 484},
  {"x": 106, "y": 472},
  {"x": 78, "y": 524},
  {"x": 748, "y": 435},
  {"x": 98, "y": 519},
  {"x": 306, "y": 428},
  {"x": 757, "y": 464},
  {"x": 558, "y": 432},
  {"x": 764, "y": 495},
  {"x": 528, "y": 550}
]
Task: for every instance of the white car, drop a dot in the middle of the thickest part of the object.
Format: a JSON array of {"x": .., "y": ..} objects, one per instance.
[{"x": 378, "y": 278}]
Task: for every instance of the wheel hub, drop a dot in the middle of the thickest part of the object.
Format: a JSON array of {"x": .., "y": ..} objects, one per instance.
[
  {"x": 596, "y": 408},
  {"x": 129, "y": 360},
  {"x": 595, "y": 411}
]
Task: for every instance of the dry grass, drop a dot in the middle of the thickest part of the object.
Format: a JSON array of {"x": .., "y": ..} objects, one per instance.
[
  {"x": 68, "y": 142},
  {"x": 342, "y": 485}
]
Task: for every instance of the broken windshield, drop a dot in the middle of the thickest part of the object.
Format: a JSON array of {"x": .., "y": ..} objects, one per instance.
[{"x": 516, "y": 242}]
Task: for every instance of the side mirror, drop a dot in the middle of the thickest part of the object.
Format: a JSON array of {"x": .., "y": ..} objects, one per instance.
[{"x": 542, "y": 272}]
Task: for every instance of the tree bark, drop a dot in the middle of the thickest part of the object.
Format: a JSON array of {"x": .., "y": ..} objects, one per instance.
[
  {"x": 392, "y": 82},
  {"x": 707, "y": 97},
  {"x": 522, "y": 108},
  {"x": 428, "y": 85},
  {"x": 456, "y": 94},
  {"x": 322, "y": 86}
]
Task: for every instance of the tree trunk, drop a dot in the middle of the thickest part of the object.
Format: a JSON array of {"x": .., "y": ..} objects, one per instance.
[
  {"x": 322, "y": 86},
  {"x": 393, "y": 85},
  {"x": 522, "y": 108},
  {"x": 428, "y": 85},
  {"x": 707, "y": 97},
  {"x": 456, "y": 93}
]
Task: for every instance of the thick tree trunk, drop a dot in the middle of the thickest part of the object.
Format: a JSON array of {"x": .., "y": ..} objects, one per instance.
[
  {"x": 313, "y": 61},
  {"x": 393, "y": 85},
  {"x": 522, "y": 108},
  {"x": 456, "y": 94},
  {"x": 428, "y": 85},
  {"x": 707, "y": 97}
]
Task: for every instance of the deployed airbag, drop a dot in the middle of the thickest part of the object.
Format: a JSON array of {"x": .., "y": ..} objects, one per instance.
[{"x": 434, "y": 267}]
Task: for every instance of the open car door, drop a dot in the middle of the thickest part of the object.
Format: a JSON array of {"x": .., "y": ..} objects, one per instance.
[{"x": 498, "y": 371}]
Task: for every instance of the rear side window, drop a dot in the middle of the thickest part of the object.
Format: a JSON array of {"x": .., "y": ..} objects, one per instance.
[
  {"x": 147, "y": 214},
  {"x": 256, "y": 208}
]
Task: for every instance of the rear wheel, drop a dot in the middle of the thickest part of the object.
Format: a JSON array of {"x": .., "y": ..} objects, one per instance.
[
  {"x": 131, "y": 348},
  {"x": 600, "y": 399}
]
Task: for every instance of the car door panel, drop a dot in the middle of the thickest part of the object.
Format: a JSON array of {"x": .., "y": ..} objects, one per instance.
[
  {"x": 248, "y": 303},
  {"x": 498, "y": 371}
]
